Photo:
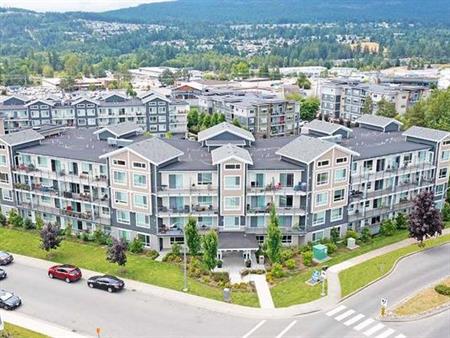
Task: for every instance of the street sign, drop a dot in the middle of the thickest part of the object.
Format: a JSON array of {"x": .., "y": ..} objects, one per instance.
[
  {"x": 384, "y": 302},
  {"x": 323, "y": 274}
]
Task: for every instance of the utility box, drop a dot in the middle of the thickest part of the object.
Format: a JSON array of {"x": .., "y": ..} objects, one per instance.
[
  {"x": 227, "y": 295},
  {"x": 351, "y": 243},
  {"x": 261, "y": 259},
  {"x": 320, "y": 252}
]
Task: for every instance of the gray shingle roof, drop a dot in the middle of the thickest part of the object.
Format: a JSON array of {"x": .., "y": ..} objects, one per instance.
[
  {"x": 305, "y": 148},
  {"x": 228, "y": 151},
  {"x": 427, "y": 133},
  {"x": 21, "y": 137},
  {"x": 225, "y": 127},
  {"x": 155, "y": 150},
  {"x": 326, "y": 127},
  {"x": 121, "y": 129},
  {"x": 377, "y": 121}
]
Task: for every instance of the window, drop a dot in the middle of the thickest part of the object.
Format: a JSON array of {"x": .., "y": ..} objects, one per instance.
[
  {"x": 337, "y": 214},
  {"x": 42, "y": 161},
  {"x": 339, "y": 195},
  {"x": 7, "y": 195},
  {"x": 139, "y": 165},
  {"x": 443, "y": 173},
  {"x": 317, "y": 236},
  {"x": 234, "y": 166},
  {"x": 140, "y": 201},
  {"x": 144, "y": 239},
  {"x": 123, "y": 217},
  {"x": 119, "y": 162},
  {"x": 175, "y": 181},
  {"x": 4, "y": 178},
  {"x": 322, "y": 199},
  {"x": 340, "y": 175},
  {"x": 120, "y": 177},
  {"x": 232, "y": 203},
  {"x": 318, "y": 218},
  {"x": 205, "y": 200},
  {"x": 232, "y": 182},
  {"x": 341, "y": 160},
  {"x": 286, "y": 239},
  {"x": 139, "y": 180},
  {"x": 260, "y": 239},
  {"x": 121, "y": 197},
  {"x": 142, "y": 220},
  {"x": 231, "y": 222},
  {"x": 178, "y": 240},
  {"x": 368, "y": 165},
  {"x": 446, "y": 143},
  {"x": 322, "y": 178},
  {"x": 287, "y": 180},
  {"x": 439, "y": 189},
  {"x": 2, "y": 160},
  {"x": 323, "y": 163},
  {"x": 286, "y": 201},
  {"x": 204, "y": 178},
  {"x": 285, "y": 221},
  {"x": 446, "y": 155}
]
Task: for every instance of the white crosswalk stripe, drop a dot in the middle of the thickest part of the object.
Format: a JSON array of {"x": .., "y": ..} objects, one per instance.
[
  {"x": 336, "y": 310},
  {"x": 373, "y": 329},
  {"x": 364, "y": 324},
  {"x": 400, "y": 336},
  {"x": 344, "y": 315},
  {"x": 354, "y": 319},
  {"x": 386, "y": 333}
]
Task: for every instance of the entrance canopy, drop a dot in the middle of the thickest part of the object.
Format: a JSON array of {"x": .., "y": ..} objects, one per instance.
[{"x": 237, "y": 241}]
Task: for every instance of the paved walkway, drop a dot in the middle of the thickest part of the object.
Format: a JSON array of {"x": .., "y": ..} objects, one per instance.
[{"x": 263, "y": 291}]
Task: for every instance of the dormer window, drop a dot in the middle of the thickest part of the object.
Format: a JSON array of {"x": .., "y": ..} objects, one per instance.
[{"x": 233, "y": 166}]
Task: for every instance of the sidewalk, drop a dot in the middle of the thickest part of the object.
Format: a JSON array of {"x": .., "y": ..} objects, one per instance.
[{"x": 263, "y": 291}]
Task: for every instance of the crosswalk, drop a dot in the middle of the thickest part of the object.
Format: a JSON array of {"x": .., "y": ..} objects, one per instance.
[{"x": 359, "y": 322}]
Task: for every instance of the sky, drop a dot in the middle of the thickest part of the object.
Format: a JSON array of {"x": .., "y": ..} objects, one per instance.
[{"x": 73, "y": 5}]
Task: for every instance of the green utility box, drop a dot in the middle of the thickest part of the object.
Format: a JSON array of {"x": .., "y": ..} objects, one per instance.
[{"x": 320, "y": 252}]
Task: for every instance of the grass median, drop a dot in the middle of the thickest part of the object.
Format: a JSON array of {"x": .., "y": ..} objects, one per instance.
[
  {"x": 362, "y": 274},
  {"x": 138, "y": 267},
  {"x": 294, "y": 290},
  {"x": 14, "y": 331}
]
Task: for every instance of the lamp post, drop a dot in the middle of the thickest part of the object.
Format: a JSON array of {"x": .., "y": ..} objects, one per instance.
[{"x": 185, "y": 288}]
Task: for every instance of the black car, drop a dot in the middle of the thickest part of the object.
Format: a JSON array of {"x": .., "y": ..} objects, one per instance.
[
  {"x": 5, "y": 258},
  {"x": 9, "y": 301},
  {"x": 3, "y": 274},
  {"x": 108, "y": 283}
]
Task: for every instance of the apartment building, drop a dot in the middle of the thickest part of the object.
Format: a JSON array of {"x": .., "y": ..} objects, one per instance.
[
  {"x": 116, "y": 179},
  {"x": 155, "y": 113},
  {"x": 265, "y": 115}
]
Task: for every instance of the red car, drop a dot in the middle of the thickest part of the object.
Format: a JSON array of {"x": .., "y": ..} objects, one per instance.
[{"x": 69, "y": 273}]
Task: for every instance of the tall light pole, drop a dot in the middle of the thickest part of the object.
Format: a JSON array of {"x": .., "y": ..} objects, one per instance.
[{"x": 185, "y": 288}]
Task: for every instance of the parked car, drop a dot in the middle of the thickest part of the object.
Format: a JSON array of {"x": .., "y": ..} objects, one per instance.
[
  {"x": 69, "y": 273},
  {"x": 108, "y": 283},
  {"x": 9, "y": 301},
  {"x": 3, "y": 274},
  {"x": 5, "y": 258}
]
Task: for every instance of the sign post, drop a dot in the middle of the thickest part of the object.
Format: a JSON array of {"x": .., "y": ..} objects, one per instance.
[
  {"x": 2, "y": 325},
  {"x": 384, "y": 303},
  {"x": 98, "y": 330},
  {"x": 323, "y": 275}
]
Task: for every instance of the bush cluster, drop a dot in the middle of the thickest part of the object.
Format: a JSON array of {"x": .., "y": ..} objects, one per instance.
[{"x": 442, "y": 289}]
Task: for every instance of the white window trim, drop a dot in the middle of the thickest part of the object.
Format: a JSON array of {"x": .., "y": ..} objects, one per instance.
[
  {"x": 121, "y": 221},
  {"x": 328, "y": 179},
  {"x": 233, "y": 188},
  {"x": 147, "y": 226},
  {"x": 345, "y": 176},
  {"x": 343, "y": 195},
  {"x": 139, "y": 185},
  {"x": 324, "y": 218},
  {"x": 140, "y": 206},
  {"x": 121, "y": 203},
  {"x": 119, "y": 183},
  {"x": 337, "y": 219},
  {"x": 326, "y": 201},
  {"x": 232, "y": 209}
]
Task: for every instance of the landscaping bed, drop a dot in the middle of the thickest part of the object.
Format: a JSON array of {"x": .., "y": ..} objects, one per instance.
[
  {"x": 13, "y": 331},
  {"x": 139, "y": 267}
]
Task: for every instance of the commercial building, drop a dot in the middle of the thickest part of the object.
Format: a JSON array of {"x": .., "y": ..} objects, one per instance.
[{"x": 127, "y": 184}]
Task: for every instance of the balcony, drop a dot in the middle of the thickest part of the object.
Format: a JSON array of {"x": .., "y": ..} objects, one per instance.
[
  {"x": 255, "y": 210},
  {"x": 207, "y": 189},
  {"x": 300, "y": 189},
  {"x": 176, "y": 230}
]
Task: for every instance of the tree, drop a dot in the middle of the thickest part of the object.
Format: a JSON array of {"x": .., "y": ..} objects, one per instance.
[
  {"x": 236, "y": 122},
  {"x": 386, "y": 108},
  {"x": 67, "y": 83},
  {"x": 367, "y": 107},
  {"x": 425, "y": 219},
  {"x": 50, "y": 238},
  {"x": 273, "y": 240},
  {"x": 48, "y": 71},
  {"x": 192, "y": 117},
  {"x": 167, "y": 78},
  {"x": 210, "y": 246},
  {"x": 309, "y": 107},
  {"x": 193, "y": 239},
  {"x": 241, "y": 69},
  {"x": 39, "y": 223},
  {"x": 446, "y": 212},
  {"x": 388, "y": 227},
  {"x": 116, "y": 253},
  {"x": 15, "y": 219},
  {"x": 136, "y": 245},
  {"x": 303, "y": 81}
]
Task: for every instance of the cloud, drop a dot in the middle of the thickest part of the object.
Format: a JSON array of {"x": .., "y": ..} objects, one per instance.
[{"x": 73, "y": 5}]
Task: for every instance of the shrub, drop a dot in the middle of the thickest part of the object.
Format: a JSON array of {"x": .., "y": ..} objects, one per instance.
[
  {"x": 442, "y": 289},
  {"x": 335, "y": 235},
  {"x": 39, "y": 223},
  {"x": 290, "y": 264},
  {"x": 100, "y": 237},
  {"x": 388, "y": 228},
  {"x": 28, "y": 224},
  {"x": 84, "y": 236},
  {"x": 307, "y": 258},
  {"x": 176, "y": 249},
  {"x": 446, "y": 212},
  {"x": 351, "y": 234},
  {"x": 305, "y": 248},
  {"x": 136, "y": 246},
  {"x": 220, "y": 277},
  {"x": 2, "y": 219},
  {"x": 67, "y": 230},
  {"x": 401, "y": 221},
  {"x": 277, "y": 270},
  {"x": 366, "y": 236},
  {"x": 331, "y": 248},
  {"x": 286, "y": 254},
  {"x": 152, "y": 254},
  {"x": 15, "y": 219}
]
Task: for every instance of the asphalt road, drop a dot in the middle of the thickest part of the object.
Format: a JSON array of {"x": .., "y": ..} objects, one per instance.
[{"x": 134, "y": 314}]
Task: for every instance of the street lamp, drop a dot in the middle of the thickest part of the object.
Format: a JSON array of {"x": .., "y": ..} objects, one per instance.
[{"x": 185, "y": 288}]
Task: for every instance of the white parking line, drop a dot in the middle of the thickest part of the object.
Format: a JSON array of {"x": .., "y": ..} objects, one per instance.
[
  {"x": 344, "y": 315},
  {"x": 354, "y": 319},
  {"x": 386, "y": 333},
  {"x": 374, "y": 329},
  {"x": 282, "y": 333},
  {"x": 256, "y": 327},
  {"x": 336, "y": 310},
  {"x": 400, "y": 336},
  {"x": 362, "y": 325}
]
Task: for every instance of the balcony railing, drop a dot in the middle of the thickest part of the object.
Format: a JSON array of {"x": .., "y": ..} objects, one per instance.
[
  {"x": 194, "y": 189},
  {"x": 277, "y": 188}
]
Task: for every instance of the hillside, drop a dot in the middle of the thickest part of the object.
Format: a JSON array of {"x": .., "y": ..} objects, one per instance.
[{"x": 284, "y": 11}]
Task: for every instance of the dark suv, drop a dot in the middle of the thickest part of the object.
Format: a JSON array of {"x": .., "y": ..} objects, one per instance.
[{"x": 5, "y": 258}]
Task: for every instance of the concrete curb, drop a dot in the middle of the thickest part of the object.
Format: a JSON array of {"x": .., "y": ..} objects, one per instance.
[{"x": 389, "y": 272}]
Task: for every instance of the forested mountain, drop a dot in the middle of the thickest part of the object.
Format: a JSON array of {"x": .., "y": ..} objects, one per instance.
[{"x": 285, "y": 11}]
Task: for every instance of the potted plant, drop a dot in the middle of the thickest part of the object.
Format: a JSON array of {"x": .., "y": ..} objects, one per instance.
[
  {"x": 219, "y": 263},
  {"x": 248, "y": 263}
]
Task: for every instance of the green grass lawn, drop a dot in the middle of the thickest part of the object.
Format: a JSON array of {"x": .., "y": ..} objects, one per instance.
[
  {"x": 92, "y": 257},
  {"x": 362, "y": 274},
  {"x": 294, "y": 290},
  {"x": 13, "y": 331}
]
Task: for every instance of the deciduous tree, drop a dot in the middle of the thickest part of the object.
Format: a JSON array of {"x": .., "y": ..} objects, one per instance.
[
  {"x": 116, "y": 253},
  {"x": 193, "y": 239},
  {"x": 274, "y": 236},
  {"x": 210, "y": 247},
  {"x": 50, "y": 238},
  {"x": 425, "y": 220}
]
